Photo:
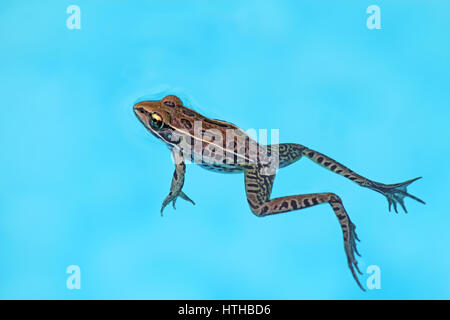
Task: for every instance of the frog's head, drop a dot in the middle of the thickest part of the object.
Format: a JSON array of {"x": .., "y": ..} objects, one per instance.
[{"x": 155, "y": 115}]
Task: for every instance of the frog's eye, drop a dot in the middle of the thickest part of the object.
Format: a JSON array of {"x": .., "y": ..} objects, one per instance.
[
  {"x": 169, "y": 104},
  {"x": 156, "y": 121}
]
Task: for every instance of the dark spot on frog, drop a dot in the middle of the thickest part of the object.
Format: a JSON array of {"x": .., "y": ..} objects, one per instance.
[
  {"x": 285, "y": 204},
  {"x": 188, "y": 112},
  {"x": 186, "y": 123},
  {"x": 294, "y": 204}
]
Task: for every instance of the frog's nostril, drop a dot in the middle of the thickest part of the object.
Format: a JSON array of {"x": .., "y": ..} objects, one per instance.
[{"x": 139, "y": 110}]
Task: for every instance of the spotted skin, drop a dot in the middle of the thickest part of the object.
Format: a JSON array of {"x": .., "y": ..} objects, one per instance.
[{"x": 223, "y": 147}]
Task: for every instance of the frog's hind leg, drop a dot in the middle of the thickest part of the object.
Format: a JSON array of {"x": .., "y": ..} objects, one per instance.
[
  {"x": 395, "y": 193},
  {"x": 259, "y": 187},
  {"x": 288, "y": 153}
]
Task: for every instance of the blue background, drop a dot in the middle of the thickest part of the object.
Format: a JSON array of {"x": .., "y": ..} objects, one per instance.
[{"x": 82, "y": 181}]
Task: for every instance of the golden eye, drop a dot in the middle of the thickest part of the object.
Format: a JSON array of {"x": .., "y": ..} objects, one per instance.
[{"x": 156, "y": 121}]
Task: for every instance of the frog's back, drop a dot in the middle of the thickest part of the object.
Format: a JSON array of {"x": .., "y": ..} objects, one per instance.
[{"x": 213, "y": 144}]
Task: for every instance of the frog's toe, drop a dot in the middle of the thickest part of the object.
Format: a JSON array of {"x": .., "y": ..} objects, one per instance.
[
  {"x": 185, "y": 197},
  {"x": 173, "y": 203},
  {"x": 162, "y": 208},
  {"x": 166, "y": 201}
]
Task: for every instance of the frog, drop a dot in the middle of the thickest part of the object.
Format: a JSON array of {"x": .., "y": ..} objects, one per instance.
[{"x": 221, "y": 146}]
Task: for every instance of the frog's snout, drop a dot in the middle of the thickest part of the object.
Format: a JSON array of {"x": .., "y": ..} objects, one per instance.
[
  {"x": 138, "y": 109},
  {"x": 140, "y": 112}
]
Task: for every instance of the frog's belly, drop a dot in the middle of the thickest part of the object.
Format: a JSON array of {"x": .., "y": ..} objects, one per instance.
[
  {"x": 221, "y": 168},
  {"x": 217, "y": 163}
]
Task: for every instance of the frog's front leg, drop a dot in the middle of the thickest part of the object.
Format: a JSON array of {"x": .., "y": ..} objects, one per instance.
[{"x": 177, "y": 181}]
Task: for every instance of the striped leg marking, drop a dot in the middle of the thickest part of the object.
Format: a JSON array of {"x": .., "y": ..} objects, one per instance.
[
  {"x": 336, "y": 167},
  {"x": 259, "y": 187},
  {"x": 288, "y": 153},
  {"x": 394, "y": 193}
]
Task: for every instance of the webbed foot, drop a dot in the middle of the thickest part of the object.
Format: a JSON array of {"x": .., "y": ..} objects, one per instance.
[
  {"x": 173, "y": 198},
  {"x": 350, "y": 250},
  {"x": 395, "y": 193}
]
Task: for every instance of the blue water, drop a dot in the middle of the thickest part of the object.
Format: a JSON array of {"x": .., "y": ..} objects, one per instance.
[{"x": 82, "y": 181}]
